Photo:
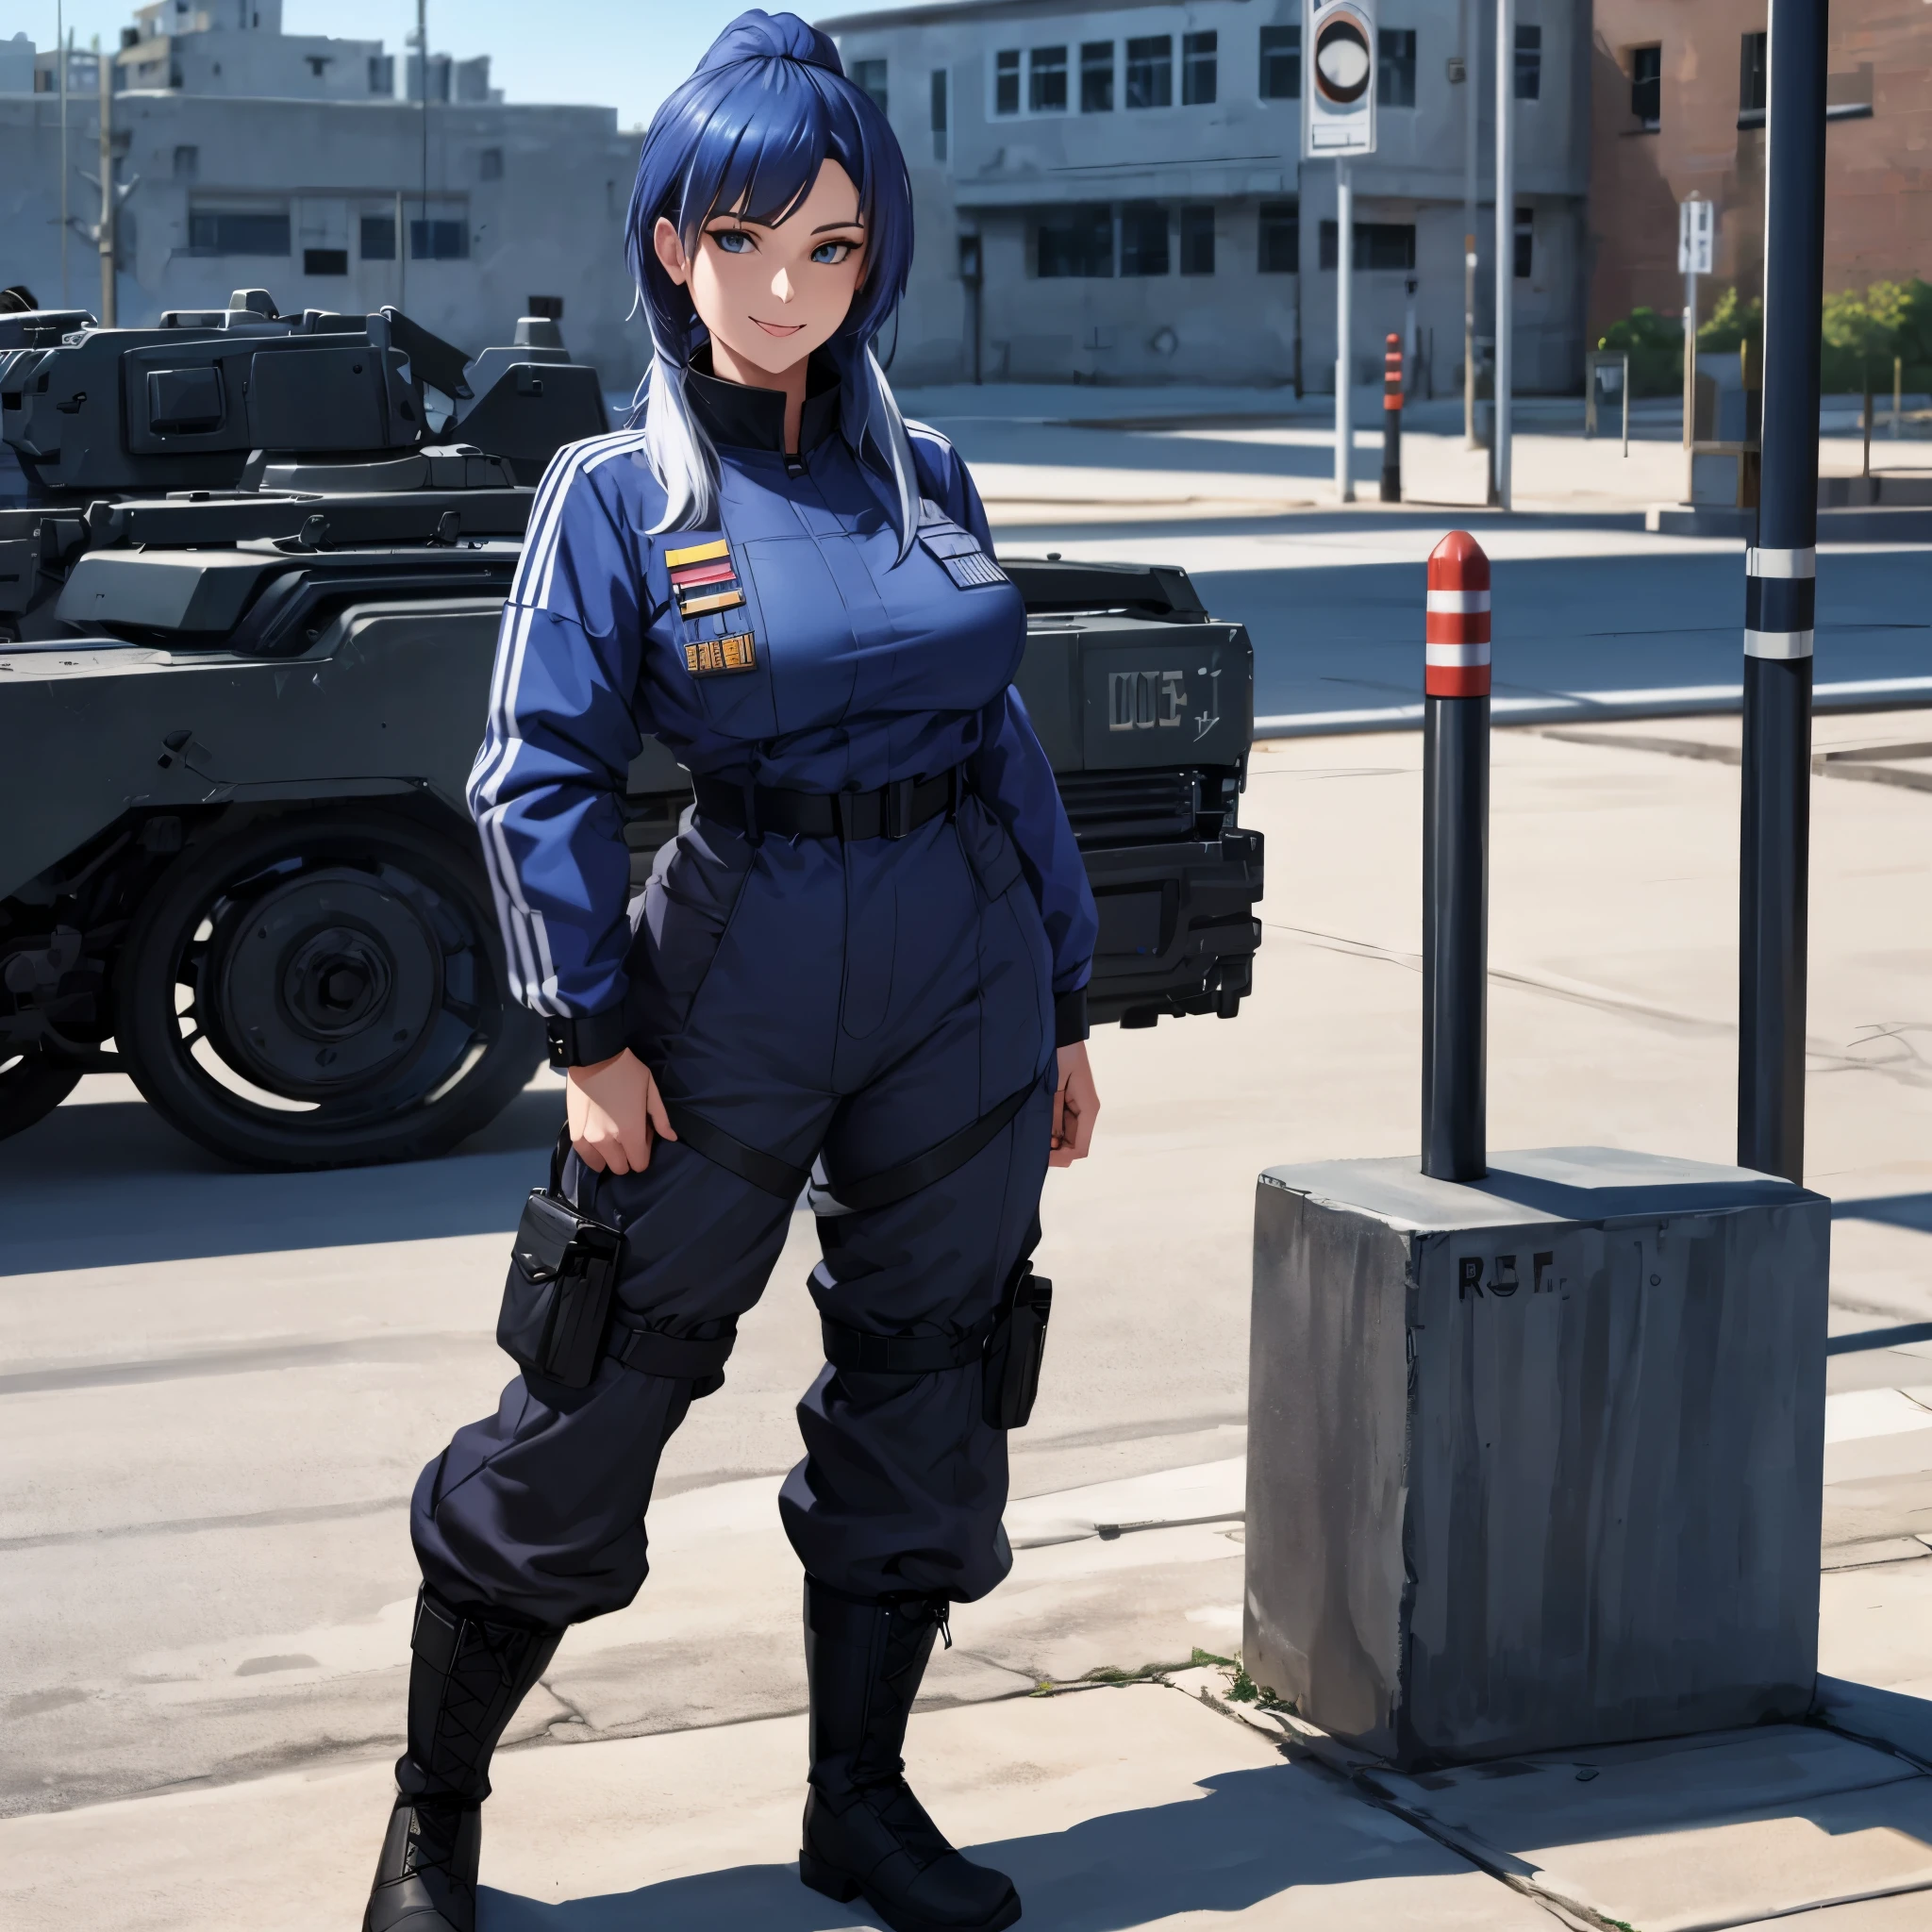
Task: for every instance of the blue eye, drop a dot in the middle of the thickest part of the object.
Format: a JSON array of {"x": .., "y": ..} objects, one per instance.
[
  {"x": 732, "y": 241},
  {"x": 831, "y": 253}
]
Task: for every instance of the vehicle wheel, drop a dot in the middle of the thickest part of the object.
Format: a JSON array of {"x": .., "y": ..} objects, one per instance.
[
  {"x": 324, "y": 989},
  {"x": 31, "y": 1086}
]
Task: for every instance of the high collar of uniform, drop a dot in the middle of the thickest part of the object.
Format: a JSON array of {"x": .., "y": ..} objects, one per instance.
[{"x": 741, "y": 417}]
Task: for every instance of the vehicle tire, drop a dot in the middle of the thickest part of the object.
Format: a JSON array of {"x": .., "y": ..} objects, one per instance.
[
  {"x": 31, "y": 1086},
  {"x": 324, "y": 989}
]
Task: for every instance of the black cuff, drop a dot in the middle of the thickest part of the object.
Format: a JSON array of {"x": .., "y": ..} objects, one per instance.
[
  {"x": 1070, "y": 1017},
  {"x": 587, "y": 1039}
]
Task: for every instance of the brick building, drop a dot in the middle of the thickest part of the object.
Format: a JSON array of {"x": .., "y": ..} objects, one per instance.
[{"x": 1678, "y": 109}]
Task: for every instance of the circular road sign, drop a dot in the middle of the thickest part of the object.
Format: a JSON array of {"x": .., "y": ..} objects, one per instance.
[{"x": 1343, "y": 65}]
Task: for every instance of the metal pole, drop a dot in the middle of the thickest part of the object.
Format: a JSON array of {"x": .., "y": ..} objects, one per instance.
[
  {"x": 1627, "y": 405},
  {"x": 1391, "y": 419},
  {"x": 1505, "y": 237},
  {"x": 1455, "y": 862},
  {"x": 402, "y": 257},
  {"x": 1898, "y": 393},
  {"x": 1344, "y": 264},
  {"x": 1472, "y": 106},
  {"x": 63, "y": 53},
  {"x": 423, "y": 42},
  {"x": 1780, "y": 601},
  {"x": 105, "y": 67}
]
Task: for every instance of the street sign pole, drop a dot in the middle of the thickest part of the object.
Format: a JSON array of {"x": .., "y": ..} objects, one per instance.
[
  {"x": 1337, "y": 123},
  {"x": 1344, "y": 320},
  {"x": 1780, "y": 589}
]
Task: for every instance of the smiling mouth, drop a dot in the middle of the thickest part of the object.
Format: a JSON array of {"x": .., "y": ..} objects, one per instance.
[{"x": 779, "y": 328}]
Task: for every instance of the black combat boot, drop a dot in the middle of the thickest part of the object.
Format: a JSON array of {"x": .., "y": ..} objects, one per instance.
[
  {"x": 467, "y": 1676},
  {"x": 864, "y": 1830}
]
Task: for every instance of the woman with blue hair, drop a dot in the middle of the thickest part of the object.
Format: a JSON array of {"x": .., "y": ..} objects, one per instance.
[{"x": 862, "y": 964}]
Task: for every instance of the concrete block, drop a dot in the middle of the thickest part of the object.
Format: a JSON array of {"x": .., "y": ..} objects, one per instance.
[{"x": 1535, "y": 1462}]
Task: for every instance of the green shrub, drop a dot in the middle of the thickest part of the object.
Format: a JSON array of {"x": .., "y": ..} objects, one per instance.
[
  {"x": 1655, "y": 344},
  {"x": 1863, "y": 330}
]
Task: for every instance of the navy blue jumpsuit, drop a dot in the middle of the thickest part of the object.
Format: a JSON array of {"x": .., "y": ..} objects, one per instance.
[{"x": 858, "y": 1001}]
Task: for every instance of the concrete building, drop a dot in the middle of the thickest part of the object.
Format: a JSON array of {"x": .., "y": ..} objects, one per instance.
[
  {"x": 287, "y": 163},
  {"x": 1126, "y": 178},
  {"x": 1677, "y": 97}
]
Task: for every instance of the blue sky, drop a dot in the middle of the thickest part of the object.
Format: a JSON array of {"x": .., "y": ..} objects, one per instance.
[{"x": 626, "y": 54}]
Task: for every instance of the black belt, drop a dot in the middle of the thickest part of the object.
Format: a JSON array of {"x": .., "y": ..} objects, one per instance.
[{"x": 893, "y": 812}]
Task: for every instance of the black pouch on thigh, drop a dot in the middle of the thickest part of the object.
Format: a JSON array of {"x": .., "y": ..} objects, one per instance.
[
  {"x": 1015, "y": 1349},
  {"x": 557, "y": 1300}
]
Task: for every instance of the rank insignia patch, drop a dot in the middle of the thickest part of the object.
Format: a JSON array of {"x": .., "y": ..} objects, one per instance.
[
  {"x": 711, "y": 656},
  {"x": 958, "y": 552},
  {"x": 704, "y": 578}
]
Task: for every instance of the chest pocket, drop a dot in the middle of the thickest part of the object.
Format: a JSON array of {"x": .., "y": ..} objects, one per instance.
[{"x": 958, "y": 553}]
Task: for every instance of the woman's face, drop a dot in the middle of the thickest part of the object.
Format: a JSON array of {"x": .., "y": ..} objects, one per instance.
[{"x": 772, "y": 295}]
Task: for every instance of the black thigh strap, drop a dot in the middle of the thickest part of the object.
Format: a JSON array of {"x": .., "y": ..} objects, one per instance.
[
  {"x": 935, "y": 1164},
  {"x": 681, "y": 1357},
  {"x": 902, "y": 1355},
  {"x": 774, "y": 1176},
  {"x": 763, "y": 1171}
]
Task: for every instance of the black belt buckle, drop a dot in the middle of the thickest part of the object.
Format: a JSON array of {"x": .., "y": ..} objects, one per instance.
[{"x": 900, "y": 803}]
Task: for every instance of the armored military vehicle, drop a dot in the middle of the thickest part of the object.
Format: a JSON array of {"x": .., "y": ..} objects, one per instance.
[{"x": 247, "y": 622}]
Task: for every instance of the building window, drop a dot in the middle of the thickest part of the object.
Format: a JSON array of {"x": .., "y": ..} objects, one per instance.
[
  {"x": 869, "y": 78},
  {"x": 1143, "y": 240},
  {"x": 1530, "y": 63},
  {"x": 186, "y": 163},
  {"x": 324, "y": 262},
  {"x": 1281, "y": 238},
  {"x": 1525, "y": 243},
  {"x": 1075, "y": 242},
  {"x": 382, "y": 73},
  {"x": 938, "y": 113},
  {"x": 438, "y": 240},
  {"x": 1200, "y": 62},
  {"x": 1281, "y": 63},
  {"x": 378, "y": 237},
  {"x": 1647, "y": 87},
  {"x": 1395, "y": 67},
  {"x": 1006, "y": 81},
  {"x": 1096, "y": 77},
  {"x": 1377, "y": 245},
  {"x": 1046, "y": 81},
  {"x": 1753, "y": 67},
  {"x": 489, "y": 164},
  {"x": 1150, "y": 71},
  {"x": 1198, "y": 241},
  {"x": 238, "y": 231}
]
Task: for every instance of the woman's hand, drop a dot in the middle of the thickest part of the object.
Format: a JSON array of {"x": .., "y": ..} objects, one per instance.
[
  {"x": 1076, "y": 1108},
  {"x": 614, "y": 1110}
]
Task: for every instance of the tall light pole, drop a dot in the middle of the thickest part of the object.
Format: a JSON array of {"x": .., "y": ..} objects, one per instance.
[
  {"x": 1505, "y": 237},
  {"x": 105, "y": 67},
  {"x": 63, "y": 39},
  {"x": 1780, "y": 604}
]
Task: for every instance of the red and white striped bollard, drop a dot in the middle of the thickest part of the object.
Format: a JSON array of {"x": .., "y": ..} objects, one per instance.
[{"x": 1455, "y": 861}]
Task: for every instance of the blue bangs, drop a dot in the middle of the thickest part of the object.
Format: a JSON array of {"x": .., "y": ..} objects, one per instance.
[{"x": 747, "y": 134}]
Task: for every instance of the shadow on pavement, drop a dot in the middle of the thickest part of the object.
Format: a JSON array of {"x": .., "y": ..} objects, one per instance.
[
  {"x": 1890, "y": 1211},
  {"x": 1222, "y": 1853},
  {"x": 171, "y": 1200}
]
